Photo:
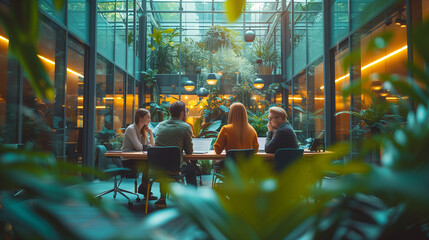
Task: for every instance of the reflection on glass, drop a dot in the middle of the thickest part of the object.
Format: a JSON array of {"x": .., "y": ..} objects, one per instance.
[
  {"x": 299, "y": 103},
  {"x": 74, "y": 100},
  {"x": 105, "y": 27},
  {"x": 78, "y": 18},
  {"x": 43, "y": 122},
  {"x": 118, "y": 100},
  {"x": 342, "y": 79},
  {"x": 4, "y": 46}
]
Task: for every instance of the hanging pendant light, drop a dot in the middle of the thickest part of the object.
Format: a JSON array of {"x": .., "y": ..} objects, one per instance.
[
  {"x": 249, "y": 36},
  {"x": 189, "y": 85},
  {"x": 202, "y": 92},
  {"x": 258, "y": 83},
  {"x": 211, "y": 79}
]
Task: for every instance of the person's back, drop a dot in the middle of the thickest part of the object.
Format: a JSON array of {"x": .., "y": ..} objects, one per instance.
[
  {"x": 237, "y": 134},
  {"x": 175, "y": 132},
  {"x": 230, "y": 138}
]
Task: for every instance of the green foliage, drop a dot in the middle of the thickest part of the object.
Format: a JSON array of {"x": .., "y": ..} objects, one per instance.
[
  {"x": 259, "y": 121},
  {"x": 218, "y": 37},
  {"x": 263, "y": 51},
  {"x": 21, "y": 23},
  {"x": 254, "y": 202},
  {"x": 210, "y": 129},
  {"x": 205, "y": 166},
  {"x": 104, "y": 136},
  {"x": 159, "y": 112},
  {"x": 162, "y": 48},
  {"x": 193, "y": 55},
  {"x": 150, "y": 81},
  {"x": 214, "y": 107},
  {"x": 375, "y": 116},
  {"x": 43, "y": 182}
]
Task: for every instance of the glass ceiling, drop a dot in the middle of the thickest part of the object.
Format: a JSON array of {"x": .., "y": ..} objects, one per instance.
[{"x": 197, "y": 17}]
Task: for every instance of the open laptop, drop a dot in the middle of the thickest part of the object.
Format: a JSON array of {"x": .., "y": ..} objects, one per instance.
[
  {"x": 201, "y": 145},
  {"x": 261, "y": 141}
]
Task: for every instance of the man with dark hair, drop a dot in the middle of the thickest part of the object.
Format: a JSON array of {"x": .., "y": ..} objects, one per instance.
[
  {"x": 176, "y": 132},
  {"x": 280, "y": 132}
]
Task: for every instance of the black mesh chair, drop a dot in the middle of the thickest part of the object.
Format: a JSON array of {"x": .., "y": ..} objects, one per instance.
[
  {"x": 114, "y": 169},
  {"x": 164, "y": 165},
  {"x": 283, "y": 157},
  {"x": 231, "y": 155}
]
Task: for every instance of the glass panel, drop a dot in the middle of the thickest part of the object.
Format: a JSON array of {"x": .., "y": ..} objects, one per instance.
[
  {"x": 105, "y": 27},
  {"x": 315, "y": 35},
  {"x": 339, "y": 20},
  {"x": 299, "y": 101},
  {"x": 50, "y": 9},
  {"x": 137, "y": 103},
  {"x": 316, "y": 100},
  {"x": 43, "y": 122},
  {"x": 104, "y": 96},
  {"x": 129, "y": 108},
  {"x": 130, "y": 38},
  {"x": 78, "y": 18},
  {"x": 389, "y": 60},
  {"x": 342, "y": 79},
  {"x": 120, "y": 34},
  {"x": 4, "y": 127},
  {"x": 74, "y": 100},
  {"x": 425, "y": 9},
  {"x": 300, "y": 37},
  {"x": 118, "y": 100}
]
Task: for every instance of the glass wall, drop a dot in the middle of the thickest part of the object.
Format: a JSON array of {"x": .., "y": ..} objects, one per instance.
[
  {"x": 121, "y": 33},
  {"x": 342, "y": 79},
  {"x": 78, "y": 18},
  {"x": 105, "y": 28},
  {"x": 4, "y": 46},
  {"x": 118, "y": 100},
  {"x": 43, "y": 122},
  {"x": 74, "y": 99},
  {"x": 339, "y": 20}
]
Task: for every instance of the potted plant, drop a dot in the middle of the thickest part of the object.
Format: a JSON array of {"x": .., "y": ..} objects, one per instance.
[
  {"x": 162, "y": 49},
  {"x": 264, "y": 56}
]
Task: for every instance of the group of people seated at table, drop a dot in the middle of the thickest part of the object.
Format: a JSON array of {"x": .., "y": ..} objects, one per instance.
[{"x": 237, "y": 134}]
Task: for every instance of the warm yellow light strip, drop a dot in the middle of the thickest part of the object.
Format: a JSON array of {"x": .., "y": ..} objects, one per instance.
[
  {"x": 97, "y": 107},
  {"x": 52, "y": 62},
  {"x": 47, "y": 60},
  {"x": 4, "y": 39},
  {"x": 373, "y": 63},
  {"x": 385, "y": 57}
]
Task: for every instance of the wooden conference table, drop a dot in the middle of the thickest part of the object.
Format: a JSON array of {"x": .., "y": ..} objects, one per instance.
[{"x": 211, "y": 155}]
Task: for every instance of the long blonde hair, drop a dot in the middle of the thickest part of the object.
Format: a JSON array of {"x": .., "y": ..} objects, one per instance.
[
  {"x": 140, "y": 113},
  {"x": 238, "y": 118}
]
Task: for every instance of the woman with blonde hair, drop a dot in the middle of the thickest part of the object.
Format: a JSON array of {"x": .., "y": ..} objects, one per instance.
[{"x": 237, "y": 134}]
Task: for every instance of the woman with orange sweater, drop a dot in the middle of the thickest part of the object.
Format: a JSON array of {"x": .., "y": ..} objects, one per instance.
[{"x": 237, "y": 134}]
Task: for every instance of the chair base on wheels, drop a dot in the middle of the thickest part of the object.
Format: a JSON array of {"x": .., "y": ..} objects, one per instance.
[{"x": 116, "y": 189}]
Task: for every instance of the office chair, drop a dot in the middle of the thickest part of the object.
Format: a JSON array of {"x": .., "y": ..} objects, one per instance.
[
  {"x": 283, "y": 157},
  {"x": 108, "y": 166},
  {"x": 163, "y": 161},
  {"x": 231, "y": 155}
]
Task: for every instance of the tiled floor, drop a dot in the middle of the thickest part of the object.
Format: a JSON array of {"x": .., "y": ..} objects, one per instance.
[{"x": 93, "y": 223}]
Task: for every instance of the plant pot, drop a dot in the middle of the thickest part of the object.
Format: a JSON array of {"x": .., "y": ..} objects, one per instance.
[{"x": 266, "y": 69}]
